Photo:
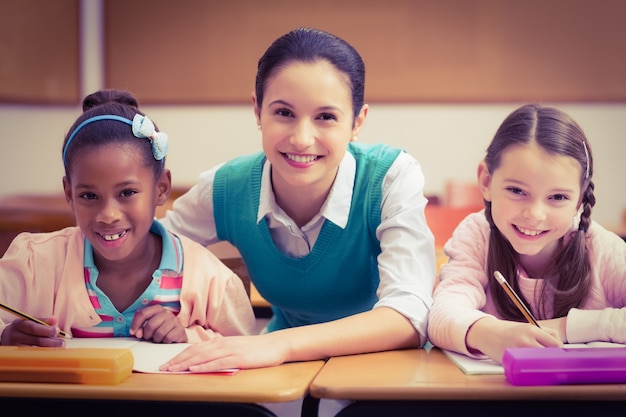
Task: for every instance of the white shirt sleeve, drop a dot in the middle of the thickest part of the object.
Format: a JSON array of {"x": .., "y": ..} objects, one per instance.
[
  {"x": 407, "y": 264},
  {"x": 602, "y": 317},
  {"x": 607, "y": 325},
  {"x": 192, "y": 213}
]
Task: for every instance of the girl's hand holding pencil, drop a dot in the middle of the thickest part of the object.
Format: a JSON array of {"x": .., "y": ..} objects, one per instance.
[
  {"x": 492, "y": 336},
  {"x": 31, "y": 331}
]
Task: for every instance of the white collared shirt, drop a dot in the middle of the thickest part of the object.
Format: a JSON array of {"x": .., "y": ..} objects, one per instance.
[
  {"x": 407, "y": 266},
  {"x": 287, "y": 236}
]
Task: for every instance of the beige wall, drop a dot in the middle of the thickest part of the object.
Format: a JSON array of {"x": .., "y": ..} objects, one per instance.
[{"x": 448, "y": 140}]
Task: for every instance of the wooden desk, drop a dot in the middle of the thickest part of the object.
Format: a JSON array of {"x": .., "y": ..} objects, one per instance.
[
  {"x": 287, "y": 382},
  {"x": 32, "y": 213},
  {"x": 417, "y": 379}
]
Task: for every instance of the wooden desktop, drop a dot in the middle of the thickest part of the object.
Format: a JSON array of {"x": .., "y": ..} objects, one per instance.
[
  {"x": 173, "y": 392},
  {"x": 407, "y": 381}
]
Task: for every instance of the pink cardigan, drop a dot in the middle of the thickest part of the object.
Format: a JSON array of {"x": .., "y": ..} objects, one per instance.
[
  {"x": 462, "y": 296},
  {"x": 42, "y": 275}
]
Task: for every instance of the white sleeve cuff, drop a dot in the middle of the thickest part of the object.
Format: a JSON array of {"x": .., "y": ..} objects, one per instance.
[
  {"x": 607, "y": 325},
  {"x": 581, "y": 326}
]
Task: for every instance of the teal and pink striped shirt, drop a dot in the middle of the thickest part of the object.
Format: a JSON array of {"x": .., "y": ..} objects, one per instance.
[{"x": 164, "y": 289}]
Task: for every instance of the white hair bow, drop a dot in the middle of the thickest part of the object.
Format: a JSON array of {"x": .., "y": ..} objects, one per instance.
[{"x": 144, "y": 128}]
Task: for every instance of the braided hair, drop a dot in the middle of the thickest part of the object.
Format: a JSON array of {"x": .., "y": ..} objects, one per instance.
[{"x": 568, "y": 278}]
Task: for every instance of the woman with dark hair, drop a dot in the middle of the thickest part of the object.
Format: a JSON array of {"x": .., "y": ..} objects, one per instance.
[{"x": 332, "y": 232}]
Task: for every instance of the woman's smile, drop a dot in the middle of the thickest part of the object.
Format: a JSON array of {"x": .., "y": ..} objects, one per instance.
[{"x": 301, "y": 159}]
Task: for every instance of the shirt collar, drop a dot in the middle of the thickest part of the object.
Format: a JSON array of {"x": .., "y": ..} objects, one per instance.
[
  {"x": 337, "y": 206},
  {"x": 171, "y": 256}
]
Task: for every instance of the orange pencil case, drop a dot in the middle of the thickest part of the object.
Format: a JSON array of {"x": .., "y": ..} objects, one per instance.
[{"x": 65, "y": 365}]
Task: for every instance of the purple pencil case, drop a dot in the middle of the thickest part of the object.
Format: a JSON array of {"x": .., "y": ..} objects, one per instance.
[{"x": 559, "y": 366}]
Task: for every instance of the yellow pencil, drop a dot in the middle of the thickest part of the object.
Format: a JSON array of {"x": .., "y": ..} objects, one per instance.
[
  {"x": 515, "y": 298},
  {"x": 27, "y": 317}
]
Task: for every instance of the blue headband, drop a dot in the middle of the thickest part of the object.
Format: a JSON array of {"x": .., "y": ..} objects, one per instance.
[{"x": 142, "y": 126}]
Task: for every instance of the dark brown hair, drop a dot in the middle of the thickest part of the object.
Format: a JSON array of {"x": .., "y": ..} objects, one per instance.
[{"x": 311, "y": 45}]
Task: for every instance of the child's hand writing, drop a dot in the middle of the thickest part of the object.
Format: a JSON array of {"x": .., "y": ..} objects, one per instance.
[
  {"x": 157, "y": 324},
  {"x": 492, "y": 336},
  {"x": 29, "y": 333}
]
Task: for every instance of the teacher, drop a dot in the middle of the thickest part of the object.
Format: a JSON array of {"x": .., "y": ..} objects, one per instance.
[{"x": 332, "y": 232}]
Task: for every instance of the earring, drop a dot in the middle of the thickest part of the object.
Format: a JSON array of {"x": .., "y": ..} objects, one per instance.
[
  {"x": 354, "y": 138},
  {"x": 258, "y": 127}
]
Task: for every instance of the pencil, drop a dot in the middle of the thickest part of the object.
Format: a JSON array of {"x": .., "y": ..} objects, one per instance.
[
  {"x": 27, "y": 317},
  {"x": 515, "y": 298}
]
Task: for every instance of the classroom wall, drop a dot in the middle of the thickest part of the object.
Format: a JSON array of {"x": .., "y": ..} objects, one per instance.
[
  {"x": 448, "y": 137},
  {"x": 448, "y": 140}
]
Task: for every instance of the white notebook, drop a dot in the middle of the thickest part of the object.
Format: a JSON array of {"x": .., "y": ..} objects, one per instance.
[
  {"x": 472, "y": 366},
  {"x": 148, "y": 356}
]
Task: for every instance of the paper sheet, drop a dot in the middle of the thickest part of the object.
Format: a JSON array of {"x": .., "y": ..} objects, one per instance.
[
  {"x": 147, "y": 356},
  {"x": 472, "y": 366}
]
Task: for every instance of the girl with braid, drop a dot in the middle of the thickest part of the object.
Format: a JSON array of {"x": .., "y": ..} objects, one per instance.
[{"x": 536, "y": 229}]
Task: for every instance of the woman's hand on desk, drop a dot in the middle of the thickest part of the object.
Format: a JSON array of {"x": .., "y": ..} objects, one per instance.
[
  {"x": 242, "y": 352},
  {"x": 492, "y": 336},
  {"x": 375, "y": 330},
  {"x": 28, "y": 333}
]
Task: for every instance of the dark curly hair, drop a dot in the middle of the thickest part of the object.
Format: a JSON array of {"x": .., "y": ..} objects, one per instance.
[{"x": 104, "y": 132}]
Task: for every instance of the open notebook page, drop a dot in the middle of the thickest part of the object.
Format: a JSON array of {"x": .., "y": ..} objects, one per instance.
[
  {"x": 472, "y": 366},
  {"x": 147, "y": 356}
]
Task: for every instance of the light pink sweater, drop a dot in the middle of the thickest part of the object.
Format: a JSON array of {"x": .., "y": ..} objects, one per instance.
[
  {"x": 42, "y": 275},
  {"x": 462, "y": 296}
]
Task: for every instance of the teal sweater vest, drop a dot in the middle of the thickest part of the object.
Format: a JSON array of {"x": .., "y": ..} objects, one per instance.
[{"x": 339, "y": 277}]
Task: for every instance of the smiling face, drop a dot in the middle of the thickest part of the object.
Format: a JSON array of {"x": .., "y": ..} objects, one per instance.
[
  {"x": 534, "y": 196},
  {"x": 114, "y": 197},
  {"x": 307, "y": 121}
]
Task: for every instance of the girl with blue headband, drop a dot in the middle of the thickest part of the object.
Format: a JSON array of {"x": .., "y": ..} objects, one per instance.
[{"x": 119, "y": 272}]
